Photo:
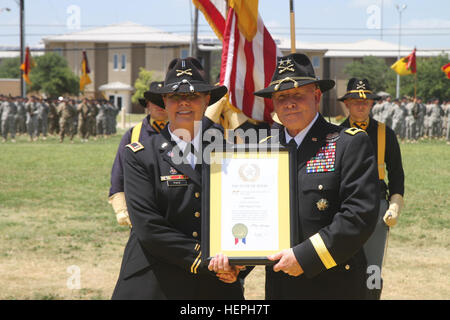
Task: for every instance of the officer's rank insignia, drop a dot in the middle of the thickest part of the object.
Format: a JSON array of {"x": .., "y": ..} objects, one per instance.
[
  {"x": 324, "y": 159},
  {"x": 332, "y": 137},
  {"x": 322, "y": 204},
  {"x": 353, "y": 131},
  {"x": 285, "y": 65},
  {"x": 135, "y": 146}
]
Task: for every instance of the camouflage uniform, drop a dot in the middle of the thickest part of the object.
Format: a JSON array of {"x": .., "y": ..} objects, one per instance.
[
  {"x": 8, "y": 119},
  {"x": 66, "y": 114}
]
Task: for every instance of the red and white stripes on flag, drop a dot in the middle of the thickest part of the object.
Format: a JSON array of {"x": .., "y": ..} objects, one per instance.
[
  {"x": 248, "y": 62},
  {"x": 248, "y": 66}
]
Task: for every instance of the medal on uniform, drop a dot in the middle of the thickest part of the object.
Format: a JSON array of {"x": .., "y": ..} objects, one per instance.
[
  {"x": 322, "y": 204},
  {"x": 239, "y": 231},
  {"x": 324, "y": 159}
]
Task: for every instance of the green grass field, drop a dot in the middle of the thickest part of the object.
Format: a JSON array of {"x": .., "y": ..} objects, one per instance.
[{"x": 54, "y": 214}]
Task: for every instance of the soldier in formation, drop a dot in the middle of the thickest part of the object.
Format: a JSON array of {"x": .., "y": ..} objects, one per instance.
[
  {"x": 8, "y": 111},
  {"x": 37, "y": 117}
]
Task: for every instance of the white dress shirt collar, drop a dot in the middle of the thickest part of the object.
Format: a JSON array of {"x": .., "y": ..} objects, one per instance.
[{"x": 301, "y": 135}]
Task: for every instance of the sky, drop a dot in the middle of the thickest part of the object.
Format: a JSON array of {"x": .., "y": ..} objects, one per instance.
[{"x": 425, "y": 24}]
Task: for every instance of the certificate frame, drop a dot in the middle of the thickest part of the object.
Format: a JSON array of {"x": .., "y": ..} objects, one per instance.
[{"x": 212, "y": 229}]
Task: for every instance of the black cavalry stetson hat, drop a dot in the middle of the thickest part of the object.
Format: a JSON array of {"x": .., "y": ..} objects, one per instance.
[
  {"x": 293, "y": 71},
  {"x": 184, "y": 76},
  {"x": 359, "y": 89},
  {"x": 142, "y": 102},
  {"x": 154, "y": 85}
]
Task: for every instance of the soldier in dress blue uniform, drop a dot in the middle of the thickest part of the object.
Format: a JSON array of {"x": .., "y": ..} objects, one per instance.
[
  {"x": 162, "y": 259},
  {"x": 359, "y": 100},
  {"x": 153, "y": 123},
  {"x": 337, "y": 192}
]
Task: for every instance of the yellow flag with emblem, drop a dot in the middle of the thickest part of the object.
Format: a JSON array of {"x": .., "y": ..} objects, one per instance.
[{"x": 84, "y": 79}]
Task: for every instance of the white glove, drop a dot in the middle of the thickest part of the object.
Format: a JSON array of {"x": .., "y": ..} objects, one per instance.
[
  {"x": 214, "y": 111},
  {"x": 393, "y": 212},
  {"x": 119, "y": 205}
]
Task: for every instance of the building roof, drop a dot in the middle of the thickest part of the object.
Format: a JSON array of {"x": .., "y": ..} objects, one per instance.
[
  {"x": 116, "y": 86},
  {"x": 371, "y": 47},
  {"x": 123, "y": 32}
]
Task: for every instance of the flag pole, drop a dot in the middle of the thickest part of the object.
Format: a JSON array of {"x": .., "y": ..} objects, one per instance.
[
  {"x": 292, "y": 14},
  {"x": 415, "y": 85}
]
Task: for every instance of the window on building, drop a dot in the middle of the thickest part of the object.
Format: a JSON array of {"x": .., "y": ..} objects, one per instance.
[
  {"x": 58, "y": 51},
  {"x": 116, "y": 61},
  {"x": 123, "y": 64},
  {"x": 316, "y": 61},
  {"x": 184, "y": 53}
]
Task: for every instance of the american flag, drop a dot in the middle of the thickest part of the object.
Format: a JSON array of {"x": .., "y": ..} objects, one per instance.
[{"x": 249, "y": 53}]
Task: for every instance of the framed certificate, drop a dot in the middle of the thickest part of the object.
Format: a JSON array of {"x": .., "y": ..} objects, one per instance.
[{"x": 249, "y": 203}]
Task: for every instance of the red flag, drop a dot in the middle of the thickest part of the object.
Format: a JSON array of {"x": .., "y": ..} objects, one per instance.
[
  {"x": 446, "y": 69},
  {"x": 412, "y": 62},
  {"x": 27, "y": 65},
  {"x": 249, "y": 54}
]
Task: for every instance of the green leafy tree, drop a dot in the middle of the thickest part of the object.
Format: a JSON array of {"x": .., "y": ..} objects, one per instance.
[
  {"x": 10, "y": 68},
  {"x": 52, "y": 76},
  {"x": 373, "y": 69},
  {"x": 142, "y": 84}
]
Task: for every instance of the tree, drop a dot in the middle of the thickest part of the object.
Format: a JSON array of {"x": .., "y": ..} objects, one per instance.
[
  {"x": 10, "y": 68},
  {"x": 373, "y": 69},
  {"x": 142, "y": 84},
  {"x": 53, "y": 76}
]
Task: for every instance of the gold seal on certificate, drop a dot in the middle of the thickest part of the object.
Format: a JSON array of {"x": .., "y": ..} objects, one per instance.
[
  {"x": 239, "y": 231},
  {"x": 249, "y": 172}
]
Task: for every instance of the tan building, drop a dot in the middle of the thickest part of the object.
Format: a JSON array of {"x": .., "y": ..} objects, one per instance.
[{"x": 116, "y": 53}]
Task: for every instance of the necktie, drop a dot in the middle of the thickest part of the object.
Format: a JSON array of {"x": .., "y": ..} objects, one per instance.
[
  {"x": 360, "y": 125},
  {"x": 292, "y": 143},
  {"x": 191, "y": 150}
]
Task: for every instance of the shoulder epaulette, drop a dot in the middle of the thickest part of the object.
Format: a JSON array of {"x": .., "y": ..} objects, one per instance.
[
  {"x": 265, "y": 139},
  {"x": 135, "y": 146},
  {"x": 353, "y": 131}
]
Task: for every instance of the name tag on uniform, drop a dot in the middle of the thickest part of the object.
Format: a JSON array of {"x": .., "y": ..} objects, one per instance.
[
  {"x": 177, "y": 183},
  {"x": 178, "y": 180}
]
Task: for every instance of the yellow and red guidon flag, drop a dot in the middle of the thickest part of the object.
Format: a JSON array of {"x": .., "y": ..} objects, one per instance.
[
  {"x": 406, "y": 65},
  {"x": 249, "y": 53},
  {"x": 446, "y": 69},
  {"x": 84, "y": 79},
  {"x": 27, "y": 65}
]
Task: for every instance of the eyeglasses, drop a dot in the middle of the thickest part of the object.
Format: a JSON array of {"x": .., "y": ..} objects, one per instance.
[{"x": 184, "y": 96}]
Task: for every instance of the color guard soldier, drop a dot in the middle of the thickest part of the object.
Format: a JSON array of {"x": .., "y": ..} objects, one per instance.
[
  {"x": 162, "y": 259},
  {"x": 359, "y": 99},
  {"x": 153, "y": 123},
  {"x": 337, "y": 192}
]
